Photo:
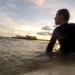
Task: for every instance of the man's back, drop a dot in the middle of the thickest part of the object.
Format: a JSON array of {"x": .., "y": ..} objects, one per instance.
[
  {"x": 65, "y": 34},
  {"x": 66, "y": 38}
]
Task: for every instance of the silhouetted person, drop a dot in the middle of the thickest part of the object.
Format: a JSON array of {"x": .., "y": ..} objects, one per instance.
[{"x": 64, "y": 33}]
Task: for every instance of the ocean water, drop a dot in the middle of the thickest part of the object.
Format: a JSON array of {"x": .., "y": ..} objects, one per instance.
[
  {"x": 22, "y": 57},
  {"x": 27, "y": 48}
]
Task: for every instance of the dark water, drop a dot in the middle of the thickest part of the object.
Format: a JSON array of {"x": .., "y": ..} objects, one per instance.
[{"x": 21, "y": 57}]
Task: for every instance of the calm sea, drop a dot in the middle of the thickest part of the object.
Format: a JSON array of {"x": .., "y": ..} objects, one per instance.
[{"x": 16, "y": 58}]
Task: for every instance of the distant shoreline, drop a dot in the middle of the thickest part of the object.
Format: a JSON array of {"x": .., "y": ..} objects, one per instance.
[{"x": 23, "y": 38}]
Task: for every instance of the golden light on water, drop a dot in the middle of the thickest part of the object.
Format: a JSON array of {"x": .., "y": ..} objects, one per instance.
[{"x": 56, "y": 47}]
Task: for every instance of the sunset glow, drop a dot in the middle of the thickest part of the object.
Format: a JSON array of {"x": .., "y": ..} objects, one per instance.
[{"x": 22, "y": 17}]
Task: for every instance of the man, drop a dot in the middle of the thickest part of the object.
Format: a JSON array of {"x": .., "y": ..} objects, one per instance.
[{"x": 64, "y": 33}]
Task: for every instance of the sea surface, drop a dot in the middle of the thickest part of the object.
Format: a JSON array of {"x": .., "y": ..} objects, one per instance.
[{"x": 26, "y": 57}]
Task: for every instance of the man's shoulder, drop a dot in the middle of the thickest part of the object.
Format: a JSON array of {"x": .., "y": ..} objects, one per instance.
[
  {"x": 71, "y": 24},
  {"x": 57, "y": 28}
]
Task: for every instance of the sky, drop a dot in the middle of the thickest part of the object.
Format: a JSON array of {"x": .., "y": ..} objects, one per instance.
[{"x": 32, "y": 17}]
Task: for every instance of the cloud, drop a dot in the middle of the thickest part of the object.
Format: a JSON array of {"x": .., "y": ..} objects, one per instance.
[
  {"x": 47, "y": 28},
  {"x": 44, "y": 33},
  {"x": 9, "y": 25},
  {"x": 29, "y": 16},
  {"x": 8, "y": 8},
  {"x": 72, "y": 16},
  {"x": 11, "y": 3},
  {"x": 39, "y": 2}
]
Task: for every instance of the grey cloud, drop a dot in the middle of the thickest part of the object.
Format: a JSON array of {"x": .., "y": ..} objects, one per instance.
[
  {"x": 44, "y": 33},
  {"x": 47, "y": 28}
]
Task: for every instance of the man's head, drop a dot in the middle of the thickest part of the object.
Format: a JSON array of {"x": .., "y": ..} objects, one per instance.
[{"x": 62, "y": 16}]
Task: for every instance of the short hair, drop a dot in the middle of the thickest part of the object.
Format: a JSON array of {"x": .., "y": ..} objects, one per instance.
[{"x": 65, "y": 13}]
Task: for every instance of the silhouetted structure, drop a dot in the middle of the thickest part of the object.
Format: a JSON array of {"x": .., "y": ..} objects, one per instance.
[{"x": 27, "y": 37}]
